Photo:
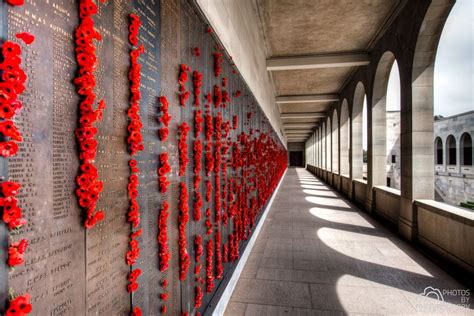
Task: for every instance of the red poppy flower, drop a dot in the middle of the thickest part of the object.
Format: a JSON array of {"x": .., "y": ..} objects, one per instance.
[
  {"x": 26, "y": 37},
  {"x": 10, "y": 49},
  {"x": 16, "y": 251},
  {"x": 19, "y": 306},
  {"x": 9, "y": 188},
  {"x": 136, "y": 311},
  {"x": 8, "y": 149}
]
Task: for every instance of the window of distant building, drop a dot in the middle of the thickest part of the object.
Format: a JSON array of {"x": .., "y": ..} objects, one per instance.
[
  {"x": 451, "y": 149},
  {"x": 439, "y": 151},
  {"x": 466, "y": 150}
]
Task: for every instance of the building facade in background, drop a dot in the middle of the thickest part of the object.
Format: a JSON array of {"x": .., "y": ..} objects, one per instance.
[{"x": 454, "y": 173}]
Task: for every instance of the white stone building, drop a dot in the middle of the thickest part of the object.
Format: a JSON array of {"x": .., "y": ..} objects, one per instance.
[{"x": 454, "y": 173}]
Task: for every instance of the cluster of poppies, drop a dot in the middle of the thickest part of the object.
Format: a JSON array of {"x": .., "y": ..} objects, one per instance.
[
  {"x": 197, "y": 206},
  {"x": 197, "y": 122},
  {"x": 208, "y": 222},
  {"x": 164, "y": 253},
  {"x": 225, "y": 253},
  {"x": 225, "y": 98},
  {"x": 88, "y": 179},
  {"x": 197, "y": 83},
  {"x": 208, "y": 98},
  {"x": 183, "y": 130},
  {"x": 234, "y": 248},
  {"x": 208, "y": 148},
  {"x": 219, "y": 266},
  {"x": 135, "y": 138},
  {"x": 133, "y": 215},
  {"x": 163, "y": 170},
  {"x": 134, "y": 251},
  {"x": 19, "y": 306},
  {"x": 16, "y": 250},
  {"x": 132, "y": 280},
  {"x": 165, "y": 118},
  {"x": 12, "y": 84},
  {"x": 209, "y": 267},
  {"x": 12, "y": 214},
  {"x": 198, "y": 296},
  {"x": 164, "y": 296},
  {"x": 133, "y": 29},
  {"x": 198, "y": 251},
  {"x": 217, "y": 63},
  {"x": 183, "y": 219},
  {"x": 182, "y": 79},
  {"x": 217, "y": 96}
]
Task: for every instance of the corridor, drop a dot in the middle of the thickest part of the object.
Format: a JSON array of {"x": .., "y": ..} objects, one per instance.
[{"x": 318, "y": 254}]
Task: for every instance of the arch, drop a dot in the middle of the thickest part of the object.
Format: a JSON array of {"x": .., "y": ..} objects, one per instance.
[
  {"x": 335, "y": 141},
  {"x": 392, "y": 125},
  {"x": 328, "y": 145},
  {"x": 357, "y": 130},
  {"x": 439, "y": 151},
  {"x": 451, "y": 158},
  {"x": 344, "y": 138},
  {"x": 418, "y": 112},
  {"x": 378, "y": 136},
  {"x": 466, "y": 150}
]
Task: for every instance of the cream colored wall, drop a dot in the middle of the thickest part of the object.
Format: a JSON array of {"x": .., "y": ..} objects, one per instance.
[{"x": 237, "y": 25}]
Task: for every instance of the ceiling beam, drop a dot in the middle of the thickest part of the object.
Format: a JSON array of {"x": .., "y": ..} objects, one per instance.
[
  {"x": 298, "y": 125},
  {"x": 303, "y": 115},
  {"x": 318, "y": 61},
  {"x": 307, "y": 98},
  {"x": 299, "y": 131}
]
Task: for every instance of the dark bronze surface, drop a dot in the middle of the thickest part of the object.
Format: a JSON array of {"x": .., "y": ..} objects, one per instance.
[{"x": 70, "y": 271}]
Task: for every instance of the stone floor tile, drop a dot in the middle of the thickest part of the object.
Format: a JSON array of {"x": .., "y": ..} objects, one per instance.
[{"x": 268, "y": 292}]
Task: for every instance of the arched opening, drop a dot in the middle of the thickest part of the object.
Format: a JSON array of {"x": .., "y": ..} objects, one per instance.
[
  {"x": 451, "y": 150},
  {"x": 328, "y": 145},
  {"x": 345, "y": 135},
  {"x": 335, "y": 142},
  {"x": 322, "y": 146},
  {"x": 393, "y": 127},
  {"x": 439, "y": 151},
  {"x": 359, "y": 133},
  {"x": 377, "y": 161},
  {"x": 466, "y": 150}
]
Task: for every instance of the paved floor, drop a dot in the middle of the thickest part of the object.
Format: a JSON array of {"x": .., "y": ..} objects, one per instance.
[{"x": 317, "y": 254}]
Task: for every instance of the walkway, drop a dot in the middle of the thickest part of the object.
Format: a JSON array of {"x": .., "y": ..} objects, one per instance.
[{"x": 317, "y": 254}]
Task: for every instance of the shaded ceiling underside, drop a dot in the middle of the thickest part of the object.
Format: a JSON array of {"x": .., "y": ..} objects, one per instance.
[{"x": 312, "y": 48}]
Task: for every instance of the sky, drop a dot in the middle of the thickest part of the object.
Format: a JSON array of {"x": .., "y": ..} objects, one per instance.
[{"x": 454, "y": 68}]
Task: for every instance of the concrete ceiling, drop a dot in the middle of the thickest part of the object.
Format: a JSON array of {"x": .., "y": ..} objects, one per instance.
[{"x": 313, "y": 46}]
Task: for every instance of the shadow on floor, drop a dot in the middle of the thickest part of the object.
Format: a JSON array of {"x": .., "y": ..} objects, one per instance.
[{"x": 319, "y": 254}]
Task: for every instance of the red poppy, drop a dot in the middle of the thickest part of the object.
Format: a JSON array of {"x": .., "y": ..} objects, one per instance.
[
  {"x": 9, "y": 188},
  {"x": 136, "y": 311},
  {"x": 16, "y": 251},
  {"x": 19, "y": 306},
  {"x": 8, "y": 149},
  {"x": 26, "y": 37}
]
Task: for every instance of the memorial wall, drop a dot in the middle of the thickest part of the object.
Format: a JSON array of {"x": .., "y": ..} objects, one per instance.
[{"x": 135, "y": 162}]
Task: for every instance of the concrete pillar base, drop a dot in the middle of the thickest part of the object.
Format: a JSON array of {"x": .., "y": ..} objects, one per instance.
[{"x": 407, "y": 229}]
